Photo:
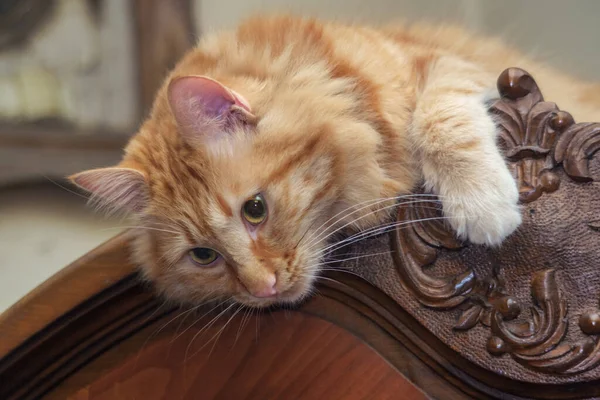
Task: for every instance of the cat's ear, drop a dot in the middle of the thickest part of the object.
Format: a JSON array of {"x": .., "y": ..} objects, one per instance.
[
  {"x": 204, "y": 108},
  {"x": 115, "y": 189}
]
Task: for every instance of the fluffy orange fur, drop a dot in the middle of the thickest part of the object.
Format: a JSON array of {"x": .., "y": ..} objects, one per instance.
[{"x": 334, "y": 117}]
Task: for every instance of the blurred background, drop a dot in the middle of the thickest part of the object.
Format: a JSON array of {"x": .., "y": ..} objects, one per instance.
[{"x": 78, "y": 76}]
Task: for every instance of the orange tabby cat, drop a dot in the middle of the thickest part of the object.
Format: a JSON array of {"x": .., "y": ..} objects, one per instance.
[{"x": 266, "y": 140}]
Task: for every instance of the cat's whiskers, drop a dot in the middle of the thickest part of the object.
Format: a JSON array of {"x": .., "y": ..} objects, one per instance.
[
  {"x": 314, "y": 243},
  {"x": 207, "y": 326},
  {"x": 370, "y": 202},
  {"x": 181, "y": 322},
  {"x": 157, "y": 331},
  {"x": 217, "y": 335},
  {"x": 156, "y": 310},
  {"x": 304, "y": 235},
  {"x": 245, "y": 318},
  {"x": 366, "y": 204},
  {"x": 179, "y": 315},
  {"x": 257, "y": 319},
  {"x": 321, "y": 270},
  {"x": 254, "y": 311},
  {"x": 345, "y": 254},
  {"x": 319, "y": 266},
  {"x": 353, "y": 239},
  {"x": 325, "y": 278},
  {"x": 66, "y": 188},
  {"x": 199, "y": 318},
  {"x": 141, "y": 227},
  {"x": 373, "y": 232},
  {"x": 361, "y": 217},
  {"x": 355, "y": 257}
]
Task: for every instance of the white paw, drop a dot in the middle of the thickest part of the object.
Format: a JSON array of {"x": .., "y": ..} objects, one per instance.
[{"x": 485, "y": 211}]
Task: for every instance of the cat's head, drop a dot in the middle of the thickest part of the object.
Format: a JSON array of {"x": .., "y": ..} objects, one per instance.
[{"x": 231, "y": 200}]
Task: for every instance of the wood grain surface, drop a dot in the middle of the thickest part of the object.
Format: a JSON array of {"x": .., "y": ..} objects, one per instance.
[{"x": 285, "y": 355}]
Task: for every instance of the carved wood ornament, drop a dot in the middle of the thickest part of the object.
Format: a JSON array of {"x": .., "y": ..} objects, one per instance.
[
  {"x": 545, "y": 147},
  {"x": 459, "y": 321}
]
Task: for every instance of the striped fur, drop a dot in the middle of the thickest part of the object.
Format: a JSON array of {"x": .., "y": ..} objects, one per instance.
[{"x": 344, "y": 114}]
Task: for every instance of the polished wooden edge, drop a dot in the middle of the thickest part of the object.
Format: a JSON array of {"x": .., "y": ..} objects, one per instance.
[
  {"x": 369, "y": 304},
  {"x": 105, "y": 303},
  {"x": 45, "y": 360},
  {"x": 77, "y": 282},
  {"x": 164, "y": 31},
  {"x": 101, "y": 322}
]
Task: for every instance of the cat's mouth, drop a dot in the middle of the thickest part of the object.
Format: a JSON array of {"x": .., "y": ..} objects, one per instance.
[{"x": 293, "y": 294}]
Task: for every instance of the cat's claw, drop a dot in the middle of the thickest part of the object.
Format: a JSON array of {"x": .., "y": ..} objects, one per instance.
[{"x": 487, "y": 214}]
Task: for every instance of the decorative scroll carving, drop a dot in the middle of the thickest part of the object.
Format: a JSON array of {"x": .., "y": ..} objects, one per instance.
[
  {"x": 537, "y": 136},
  {"x": 538, "y": 140},
  {"x": 575, "y": 147},
  {"x": 416, "y": 247}
]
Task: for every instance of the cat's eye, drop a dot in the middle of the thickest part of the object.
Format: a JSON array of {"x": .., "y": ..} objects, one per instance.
[
  {"x": 254, "y": 210},
  {"x": 203, "y": 255}
]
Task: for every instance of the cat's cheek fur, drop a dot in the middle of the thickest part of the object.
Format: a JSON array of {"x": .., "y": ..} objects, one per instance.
[
  {"x": 187, "y": 284},
  {"x": 177, "y": 280}
]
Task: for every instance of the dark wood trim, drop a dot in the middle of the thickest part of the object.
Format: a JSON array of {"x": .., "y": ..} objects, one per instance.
[
  {"x": 380, "y": 322},
  {"x": 73, "y": 340},
  {"x": 47, "y": 337},
  {"x": 164, "y": 32},
  {"x": 279, "y": 355}
]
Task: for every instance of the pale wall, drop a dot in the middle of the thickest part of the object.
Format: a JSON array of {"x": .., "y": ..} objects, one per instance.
[{"x": 565, "y": 33}]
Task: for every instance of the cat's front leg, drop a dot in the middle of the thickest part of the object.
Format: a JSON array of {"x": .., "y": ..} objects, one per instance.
[{"x": 461, "y": 162}]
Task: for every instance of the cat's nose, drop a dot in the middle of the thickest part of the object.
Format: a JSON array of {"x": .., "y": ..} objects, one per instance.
[{"x": 267, "y": 287}]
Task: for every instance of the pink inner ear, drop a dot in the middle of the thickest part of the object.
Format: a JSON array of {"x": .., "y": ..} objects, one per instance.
[
  {"x": 114, "y": 188},
  {"x": 199, "y": 93},
  {"x": 202, "y": 106}
]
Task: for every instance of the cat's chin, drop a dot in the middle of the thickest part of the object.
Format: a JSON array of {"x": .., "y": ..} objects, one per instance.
[
  {"x": 273, "y": 302},
  {"x": 292, "y": 296}
]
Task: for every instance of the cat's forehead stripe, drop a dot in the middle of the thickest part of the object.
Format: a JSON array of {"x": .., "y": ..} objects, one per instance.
[
  {"x": 264, "y": 252},
  {"x": 188, "y": 234},
  {"x": 224, "y": 206},
  {"x": 305, "y": 153}
]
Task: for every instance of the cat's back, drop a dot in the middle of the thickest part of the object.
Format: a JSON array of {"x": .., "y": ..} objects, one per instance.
[
  {"x": 386, "y": 62},
  {"x": 288, "y": 41},
  {"x": 493, "y": 55},
  {"x": 279, "y": 44}
]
